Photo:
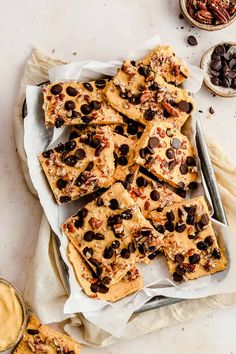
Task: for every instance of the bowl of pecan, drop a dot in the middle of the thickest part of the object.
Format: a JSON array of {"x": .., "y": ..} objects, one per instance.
[
  {"x": 209, "y": 15},
  {"x": 219, "y": 64}
]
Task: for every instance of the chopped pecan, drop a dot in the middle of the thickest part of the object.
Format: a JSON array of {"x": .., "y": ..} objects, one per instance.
[
  {"x": 95, "y": 223},
  {"x": 170, "y": 109}
]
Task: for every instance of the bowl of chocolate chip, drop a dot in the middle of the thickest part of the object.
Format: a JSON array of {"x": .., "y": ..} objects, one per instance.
[
  {"x": 209, "y": 15},
  {"x": 219, "y": 64}
]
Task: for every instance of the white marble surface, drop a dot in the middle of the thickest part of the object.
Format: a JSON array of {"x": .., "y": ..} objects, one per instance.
[{"x": 99, "y": 29}]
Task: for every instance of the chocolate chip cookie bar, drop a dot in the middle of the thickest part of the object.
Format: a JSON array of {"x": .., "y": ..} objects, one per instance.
[
  {"x": 101, "y": 289},
  {"x": 39, "y": 338},
  {"x": 163, "y": 61},
  {"x": 69, "y": 103},
  {"x": 150, "y": 195},
  {"x": 145, "y": 96},
  {"x": 168, "y": 154},
  {"x": 111, "y": 234},
  {"x": 80, "y": 166},
  {"x": 190, "y": 244}
]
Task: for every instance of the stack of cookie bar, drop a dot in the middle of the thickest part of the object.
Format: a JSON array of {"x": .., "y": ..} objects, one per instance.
[{"x": 126, "y": 148}]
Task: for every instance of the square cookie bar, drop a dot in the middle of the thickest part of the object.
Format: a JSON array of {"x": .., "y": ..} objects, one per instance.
[
  {"x": 163, "y": 61},
  {"x": 80, "y": 166},
  {"x": 39, "y": 338},
  {"x": 190, "y": 244},
  {"x": 101, "y": 289},
  {"x": 69, "y": 103},
  {"x": 146, "y": 96},
  {"x": 168, "y": 154},
  {"x": 150, "y": 195},
  {"x": 111, "y": 234}
]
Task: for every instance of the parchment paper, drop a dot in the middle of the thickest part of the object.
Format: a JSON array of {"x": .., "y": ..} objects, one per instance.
[{"x": 110, "y": 317}]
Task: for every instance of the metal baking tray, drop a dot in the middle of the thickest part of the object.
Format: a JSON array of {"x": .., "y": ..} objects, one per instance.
[{"x": 218, "y": 214}]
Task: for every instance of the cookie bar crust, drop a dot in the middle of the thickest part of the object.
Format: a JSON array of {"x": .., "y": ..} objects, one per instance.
[{"x": 190, "y": 244}]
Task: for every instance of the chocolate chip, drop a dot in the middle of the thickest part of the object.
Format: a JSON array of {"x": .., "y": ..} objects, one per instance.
[
  {"x": 99, "y": 237},
  {"x": 124, "y": 149},
  {"x": 119, "y": 129},
  {"x": 215, "y": 64},
  {"x": 145, "y": 231},
  {"x": 180, "y": 270},
  {"x": 179, "y": 258},
  {"x": 125, "y": 253},
  {"x": 126, "y": 185},
  {"x": 170, "y": 215},
  {"x": 149, "y": 114},
  {"x": 216, "y": 253},
  {"x": 106, "y": 280},
  {"x": 33, "y": 331},
  {"x": 79, "y": 223},
  {"x": 190, "y": 161},
  {"x": 94, "y": 287},
  {"x": 226, "y": 82},
  {"x": 160, "y": 228},
  {"x": 153, "y": 255},
  {"x": 113, "y": 205},
  {"x": 113, "y": 220},
  {"x": 71, "y": 91},
  {"x": 47, "y": 154},
  {"x": 143, "y": 70},
  {"x": 149, "y": 151},
  {"x": 61, "y": 183},
  {"x": 56, "y": 89},
  {"x": 124, "y": 94},
  {"x": 89, "y": 166},
  {"x": 183, "y": 106},
  {"x": 142, "y": 153},
  {"x": 170, "y": 153},
  {"x": 132, "y": 247},
  {"x": 193, "y": 185},
  {"x": 108, "y": 253},
  {"x": 80, "y": 154},
  {"x": 194, "y": 259},
  {"x": 99, "y": 202},
  {"x": 192, "y": 237},
  {"x": 190, "y": 220},
  {"x": 134, "y": 99},
  {"x": 172, "y": 165},
  {"x": 183, "y": 169},
  {"x": 73, "y": 135},
  {"x": 95, "y": 105},
  {"x": 88, "y": 252},
  {"x": 60, "y": 148},
  {"x": 141, "y": 182},
  {"x": 232, "y": 63},
  {"x": 69, "y": 105},
  {"x": 209, "y": 240},
  {"x": 70, "y": 160},
  {"x": 177, "y": 278},
  {"x": 94, "y": 262},
  {"x": 70, "y": 145},
  {"x": 115, "y": 244},
  {"x": 82, "y": 213},
  {"x": 65, "y": 199},
  {"x": 126, "y": 215},
  {"x": 88, "y": 86},
  {"x": 130, "y": 177},
  {"x": 215, "y": 80},
  {"x": 100, "y": 83},
  {"x": 205, "y": 219},
  {"x": 86, "y": 119},
  {"x": 169, "y": 226},
  {"x": 219, "y": 50},
  {"x": 154, "y": 87},
  {"x": 89, "y": 236},
  {"x": 85, "y": 109},
  {"x": 169, "y": 132},
  {"x": 103, "y": 289},
  {"x": 201, "y": 245},
  {"x": 154, "y": 195},
  {"x": 75, "y": 114},
  {"x": 141, "y": 249},
  {"x": 180, "y": 228},
  {"x": 98, "y": 271},
  {"x": 192, "y": 40},
  {"x": 153, "y": 142},
  {"x": 181, "y": 192},
  {"x": 176, "y": 143},
  {"x": 132, "y": 128},
  {"x": 59, "y": 122}
]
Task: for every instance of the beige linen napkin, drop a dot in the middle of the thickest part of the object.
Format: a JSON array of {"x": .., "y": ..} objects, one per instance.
[{"x": 44, "y": 291}]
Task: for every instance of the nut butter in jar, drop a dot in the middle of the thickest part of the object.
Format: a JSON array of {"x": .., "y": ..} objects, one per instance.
[{"x": 13, "y": 315}]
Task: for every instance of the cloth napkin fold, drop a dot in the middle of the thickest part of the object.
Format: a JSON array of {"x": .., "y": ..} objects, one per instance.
[{"x": 44, "y": 290}]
